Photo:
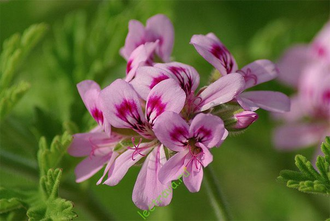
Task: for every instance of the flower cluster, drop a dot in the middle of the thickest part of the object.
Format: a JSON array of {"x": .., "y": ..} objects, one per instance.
[
  {"x": 157, "y": 117},
  {"x": 307, "y": 69}
]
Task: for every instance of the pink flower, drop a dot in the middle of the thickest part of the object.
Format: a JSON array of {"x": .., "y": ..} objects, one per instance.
[
  {"x": 309, "y": 120},
  {"x": 260, "y": 71},
  {"x": 297, "y": 58},
  {"x": 97, "y": 145},
  {"x": 125, "y": 110},
  {"x": 191, "y": 143},
  {"x": 219, "y": 92},
  {"x": 158, "y": 28}
]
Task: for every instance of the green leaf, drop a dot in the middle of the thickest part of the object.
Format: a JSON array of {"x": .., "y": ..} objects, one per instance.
[
  {"x": 308, "y": 179},
  {"x": 15, "y": 50},
  {"x": 51, "y": 207},
  {"x": 49, "y": 157},
  {"x": 10, "y": 200},
  {"x": 11, "y": 96}
]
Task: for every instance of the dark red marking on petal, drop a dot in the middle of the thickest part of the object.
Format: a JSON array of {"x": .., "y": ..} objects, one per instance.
[
  {"x": 183, "y": 77},
  {"x": 326, "y": 97},
  {"x": 222, "y": 53},
  {"x": 202, "y": 133},
  {"x": 98, "y": 115},
  {"x": 155, "y": 104},
  {"x": 179, "y": 132},
  {"x": 158, "y": 79},
  {"x": 129, "y": 66},
  {"x": 128, "y": 112}
]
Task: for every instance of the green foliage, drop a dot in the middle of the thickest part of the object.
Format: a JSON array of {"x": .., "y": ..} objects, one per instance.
[
  {"x": 279, "y": 35},
  {"x": 43, "y": 204},
  {"x": 15, "y": 49},
  {"x": 49, "y": 206},
  {"x": 49, "y": 157},
  {"x": 309, "y": 180},
  {"x": 11, "y": 96}
]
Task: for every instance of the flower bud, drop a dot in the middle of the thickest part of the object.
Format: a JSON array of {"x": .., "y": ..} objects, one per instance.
[{"x": 244, "y": 119}]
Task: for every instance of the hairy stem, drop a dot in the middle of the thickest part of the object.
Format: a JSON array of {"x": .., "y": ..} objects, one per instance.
[{"x": 214, "y": 192}]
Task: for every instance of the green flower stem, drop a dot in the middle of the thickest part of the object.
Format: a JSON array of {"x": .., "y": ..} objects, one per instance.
[{"x": 217, "y": 200}]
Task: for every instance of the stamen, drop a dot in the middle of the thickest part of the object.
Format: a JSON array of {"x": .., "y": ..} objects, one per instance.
[{"x": 136, "y": 148}]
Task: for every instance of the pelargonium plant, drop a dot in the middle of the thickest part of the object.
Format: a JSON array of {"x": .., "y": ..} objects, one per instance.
[
  {"x": 306, "y": 68},
  {"x": 158, "y": 118}
]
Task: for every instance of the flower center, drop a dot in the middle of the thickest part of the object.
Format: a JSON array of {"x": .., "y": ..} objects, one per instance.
[{"x": 195, "y": 150}]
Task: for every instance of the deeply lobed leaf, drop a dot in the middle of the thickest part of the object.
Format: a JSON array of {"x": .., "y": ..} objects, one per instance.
[{"x": 309, "y": 180}]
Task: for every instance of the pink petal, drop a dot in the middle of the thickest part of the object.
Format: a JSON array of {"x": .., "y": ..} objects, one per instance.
[
  {"x": 121, "y": 165},
  {"x": 109, "y": 164},
  {"x": 185, "y": 75},
  {"x": 314, "y": 90},
  {"x": 247, "y": 104},
  {"x": 135, "y": 37},
  {"x": 122, "y": 104},
  {"x": 172, "y": 131},
  {"x": 173, "y": 168},
  {"x": 89, "y": 92},
  {"x": 160, "y": 99},
  {"x": 84, "y": 143},
  {"x": 89, "y": 166},
  {"x": 194, "y": 180},
  {"x": 258, "y": 72},
  {"x": 268, "y": 100},
  {"x": 147, "y": 188},
  {"x": 159, "y": 27},
  {"x": 141, "y": 56},
  {"x": 212, "y": 50},
  {"x": 207, "y": 129},
  {"x": 221, "y": 91},
  {"x": 292, "y": 63},
  {"x": 148, "y": 77},
  {"x": 321, "y": 43},
  {"x": 290, "y": 137},
  {"x": 207, "y": 157}
]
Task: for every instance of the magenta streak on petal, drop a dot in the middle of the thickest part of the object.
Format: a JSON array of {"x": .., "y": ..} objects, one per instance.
[
  {"x": 158, "y": 79},
  {"x": 248, "y": 75},
  {"x": 202, "y": 133},
  {"x": 319, "y": 50},
  {"x": 129, "y": 109},
  {"x": 177, "y": 71},
  {"x": 177, "y": 133},
  {"x": 326, "y": 97},
  {"x": 155, "y": 104},
  {"x": 222, "y": 53},
  {"x": 129, "y": 66},
  {"x": 98, "y": 115}
]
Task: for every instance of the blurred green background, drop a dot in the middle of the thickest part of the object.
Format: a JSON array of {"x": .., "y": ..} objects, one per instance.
[{"x": 82, "y": 42}]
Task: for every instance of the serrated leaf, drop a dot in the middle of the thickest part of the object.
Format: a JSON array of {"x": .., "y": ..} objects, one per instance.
[
  {"x": 11, "y": 96},
  {"x": 309, "y": 180},
  {"x": 49, "y": 157},
  {"x": 12, "y": 200},
  {"x": 51, "y": 207}
]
